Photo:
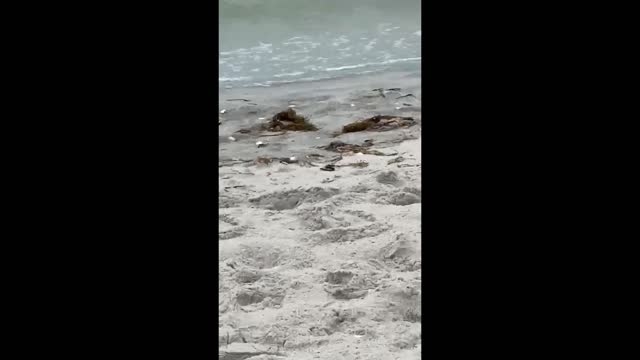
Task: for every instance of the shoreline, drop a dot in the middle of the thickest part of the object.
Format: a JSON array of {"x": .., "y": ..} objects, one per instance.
[
  {"x": 373, "y": 76},
  {"x": 339, "y": 73}
]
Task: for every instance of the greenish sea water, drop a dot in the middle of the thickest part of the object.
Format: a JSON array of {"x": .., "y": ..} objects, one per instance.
[{"x": 267, "y": 42}]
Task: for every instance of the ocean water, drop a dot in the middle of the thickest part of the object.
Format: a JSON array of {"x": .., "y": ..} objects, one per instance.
[{"x": 267, "y": 42}]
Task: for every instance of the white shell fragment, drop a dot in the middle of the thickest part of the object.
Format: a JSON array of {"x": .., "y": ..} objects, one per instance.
[
  {"x": 232, "y": 138},
  {"x": 260, "y": 144},
  {"x": 223, "y": 111}
]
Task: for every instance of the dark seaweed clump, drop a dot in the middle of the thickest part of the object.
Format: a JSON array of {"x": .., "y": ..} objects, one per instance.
[
  {"x": 379, "y": 122},
  {"x": 289, "y": 120}
]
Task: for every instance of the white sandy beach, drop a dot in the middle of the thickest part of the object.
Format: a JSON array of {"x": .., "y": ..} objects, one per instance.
[{"x": 320, "y": 264}]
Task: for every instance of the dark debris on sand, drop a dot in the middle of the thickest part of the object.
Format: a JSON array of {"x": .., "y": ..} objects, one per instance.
[
  {"x": 281, "y": 122},
  {"x": 289, "y": 120},
  {"x": 342, "y": 147},
  {"x": 379, "y": 123}
]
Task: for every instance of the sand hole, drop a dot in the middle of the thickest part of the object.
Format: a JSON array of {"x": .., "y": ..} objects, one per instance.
[
  {"x": 286, "y": 200},
  {"x": 339, "y": 277}
]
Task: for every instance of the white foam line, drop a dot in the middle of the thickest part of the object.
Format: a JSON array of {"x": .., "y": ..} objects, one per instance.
[
  {"x": 390, "y": 61},
  {"x": 289, "y": 74},
  {"x": 239, "y": 78}
]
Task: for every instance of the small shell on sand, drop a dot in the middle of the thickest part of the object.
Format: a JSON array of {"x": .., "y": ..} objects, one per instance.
[
  {"x": 232, "y": 138},
  {"x": 261, "y": 118},
  {"x": 223, "y": 111},
  {"x": 398, "y": 108},
  {"x": 291, "y": 106},
  {"x": 260, "y": 144}
]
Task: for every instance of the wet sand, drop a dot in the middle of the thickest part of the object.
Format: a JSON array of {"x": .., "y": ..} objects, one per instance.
[
  {"x": 329, "y": 104},
  {"x": 320, "y": 264}
]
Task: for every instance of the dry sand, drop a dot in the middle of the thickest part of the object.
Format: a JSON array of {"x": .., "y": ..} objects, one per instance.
[{"x": 320, "y": 264}]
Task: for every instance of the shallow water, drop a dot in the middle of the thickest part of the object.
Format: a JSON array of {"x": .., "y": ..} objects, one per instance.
[{"x": 267, "y": 42}]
